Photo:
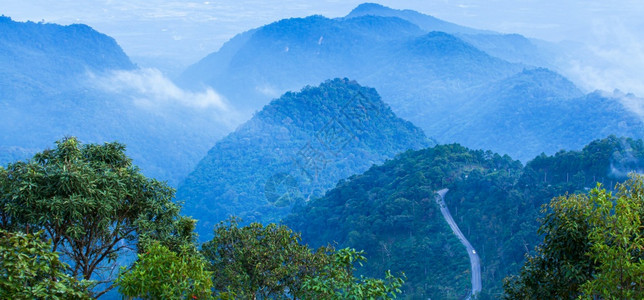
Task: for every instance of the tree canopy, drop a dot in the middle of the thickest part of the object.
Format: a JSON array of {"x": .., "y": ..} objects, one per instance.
[
  {"x": 260, "y": 262},
  {"x": 89, "y": 200},
  {"x": 29, "y": 270},
  {"x": 593, "y": 247}
]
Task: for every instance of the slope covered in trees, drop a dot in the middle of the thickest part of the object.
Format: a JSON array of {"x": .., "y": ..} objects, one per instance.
[
  {"x": 389, "y": 210},
  {"x": 296, "y": 148}
]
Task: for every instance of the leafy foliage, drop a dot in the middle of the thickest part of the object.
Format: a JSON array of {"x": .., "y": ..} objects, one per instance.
[
  {"x": 257, "y": 261},
  {"x": 260, "y": 262},
  {"x": 160, "y": 273},
  {"x": 89, "y": 200},
  {"x": 336, "y": 280},
  {"x": 29, "y": 269},
  {"x": 591, "y": 248}
]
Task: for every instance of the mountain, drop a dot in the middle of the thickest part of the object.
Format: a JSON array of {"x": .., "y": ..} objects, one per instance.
[
  {"x": 295, "y": 148},
  {"x": 38, "y": 48},
  {"x": 412, "y": 69},
  {"x": 536, "y": 111},
  {"x": 389, "y": 210},
  {"x": 425, "y": 22},
  {"x": 458, "y": 85},
  {"x": 58, "y": 81},
  {"x": 511, "y": 47}
]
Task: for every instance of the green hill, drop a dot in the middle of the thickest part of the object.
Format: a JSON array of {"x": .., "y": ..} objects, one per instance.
[
  {"x": 389, "y": 210},
  {"x": 295, "y": 148}
]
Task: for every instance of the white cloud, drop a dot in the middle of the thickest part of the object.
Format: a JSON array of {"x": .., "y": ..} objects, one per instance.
[
  {"x": 634, "y": 104},
  {"x": 152, "y": 89},
  {"x": 614, "y": 61}
]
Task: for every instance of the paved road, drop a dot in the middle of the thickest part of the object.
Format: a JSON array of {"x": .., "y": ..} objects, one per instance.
[{"x": 475, "y": 261}]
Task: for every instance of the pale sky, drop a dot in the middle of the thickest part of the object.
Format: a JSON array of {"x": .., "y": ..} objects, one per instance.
[{"x": 185, "y": 31}]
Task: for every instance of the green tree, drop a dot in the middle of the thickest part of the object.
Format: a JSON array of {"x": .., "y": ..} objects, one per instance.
[
  {"x": 336, "y": 280},
  {"x": 161, "y": 273},
  {"x": 617, "y": 239},
  {"x": 593, "y": 246},
  {"x": 259, "y": 262},
  {"x": 30, "y": 270},
  {"x": 89, "y": 200}
]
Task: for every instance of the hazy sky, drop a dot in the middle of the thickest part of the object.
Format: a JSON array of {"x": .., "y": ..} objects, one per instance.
[{"x": 185, "y": 31}]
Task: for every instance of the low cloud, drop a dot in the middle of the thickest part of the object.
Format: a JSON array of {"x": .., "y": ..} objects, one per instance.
[
  {"x": 613, "y": 60},
  {"x": 629, "y": 101},
  {"x": 151, "y": 88}
]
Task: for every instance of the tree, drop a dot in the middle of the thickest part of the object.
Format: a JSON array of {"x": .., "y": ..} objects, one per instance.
[
  {"x": 336, "y": 280},
  {"x": 30, "y": 270},
  {"x": 593, "y": 246},
  {"x": 161, "y": 273},
  {"x": 259, "y": 262},
  {"x": 89, "y": 200},
  {"x": 617, "y": 239}
]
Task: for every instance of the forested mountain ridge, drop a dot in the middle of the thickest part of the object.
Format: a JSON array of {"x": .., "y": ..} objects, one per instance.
[
  {"x": 494, "y": 200},
  {"x": 511, "y": 47},
  {"x": 295, "y": 148},
  {"x": 58, "y": 81}
]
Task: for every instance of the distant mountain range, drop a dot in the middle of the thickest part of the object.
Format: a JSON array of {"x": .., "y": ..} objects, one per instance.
[
  {"x": 458, "y": 84},
  {"x": 294, "y": 149},
  {"x": 58, "y": 81}
]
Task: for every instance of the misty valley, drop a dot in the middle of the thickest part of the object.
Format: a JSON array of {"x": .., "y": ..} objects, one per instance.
[{"x": 383, "y": 154}]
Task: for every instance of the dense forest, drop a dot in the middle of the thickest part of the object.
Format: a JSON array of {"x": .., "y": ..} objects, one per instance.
[{"x": 389, "y": 210}]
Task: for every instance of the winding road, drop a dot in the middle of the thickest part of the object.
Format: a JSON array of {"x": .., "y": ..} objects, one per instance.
[{"x": 475, "y": 261}]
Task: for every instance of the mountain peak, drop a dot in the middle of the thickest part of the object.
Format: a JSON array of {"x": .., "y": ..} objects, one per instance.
[
  {"x": 306, "y": 140},
  {"x": 426, "y": 22},
  {"x": 368, "y": 7}
]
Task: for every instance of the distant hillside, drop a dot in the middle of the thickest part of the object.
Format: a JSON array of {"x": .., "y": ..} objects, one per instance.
[
  {"x": 536, "y": 111},
  {"x": 389, "y": 210},
  {"x": 38, "y": 57},
  {"x": 479, "y": 88},
  {"x": 425, "y": 22},
  {"x": 511, "y": 47},
  {"x": 58, "y": 81},
  {"x": 406, "y": 64},
  {"x": 295, "y": 148}
]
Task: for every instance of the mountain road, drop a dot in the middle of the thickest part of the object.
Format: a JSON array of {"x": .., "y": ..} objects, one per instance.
[{"x": 475, "y": 261}]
